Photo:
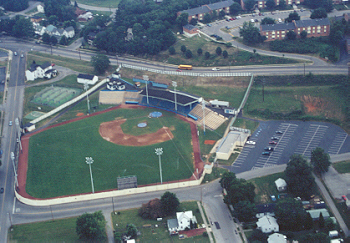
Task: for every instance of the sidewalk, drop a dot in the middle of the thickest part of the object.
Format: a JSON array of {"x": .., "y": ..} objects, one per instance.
[
  {"x": 205, "y": 222},
  {"x": 109, "y": 226}
]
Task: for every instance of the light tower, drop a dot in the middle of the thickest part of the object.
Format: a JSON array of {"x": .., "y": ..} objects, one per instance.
[
  {"x": 159, "y": 152},
  {"x": 89, "y": 161},
  {"x": 175, "y": 85}
]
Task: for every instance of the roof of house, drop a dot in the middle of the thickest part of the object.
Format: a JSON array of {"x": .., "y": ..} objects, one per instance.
[
  {"x": 315, "y": 213},
  {"x": 172, "y": 223},
  {"x": 189, "y": 27},
  {"x": 33, "y": 67},
  {"x": 312, "y": 22},
  {"x": 266, "y": 208},
  {"x": 199, "y": 10},
  {"x": 70, "y": 28},
  {"x": 181, "y": 215},
  {"x": 51, "y": 28},
  {"x": 45, "y": 65},
  {"x": 86, "y": 76},
  {"x": 220, "y": 5},
  {"x": 277, "y": 238},
  {"x": 280, "y": 182},
  {"x": 60, "y": 31},
  {"x": 50, "y": 71},
  {"x": 266, "y": 221},
  {"x": 281, "y": 26}
]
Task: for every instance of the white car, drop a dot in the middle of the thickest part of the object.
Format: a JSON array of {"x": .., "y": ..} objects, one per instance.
[
  {"x": 216, "y": 69},
  {"x": 250, "y": 142}
]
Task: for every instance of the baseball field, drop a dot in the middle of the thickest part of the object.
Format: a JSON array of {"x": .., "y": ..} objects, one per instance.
[{"x": 56, "y": 157}]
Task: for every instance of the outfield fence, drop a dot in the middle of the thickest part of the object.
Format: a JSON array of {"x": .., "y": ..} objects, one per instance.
[{"x": 112, "y": 193}]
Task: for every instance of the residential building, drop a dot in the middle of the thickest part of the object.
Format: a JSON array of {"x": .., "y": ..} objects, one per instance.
[
  {"x": 313, "y": 27},
  {"x": 36, "y": 19},
  {"x": 129, "y": 35},
  {"x": 40, "y": 71},
  {"x": 267, "y": 224},
  {"x": 259, "y": 4},
  {"x": 277, "y": 238},
  {"x": 315, "y": 213},
  {"x": 199, "y": 12},
  {"x": 87, "y": 79},
  {"x": 190, "y": 30},
  {"x": 281, "y": 184},
  {"x": 183, "y": 221},
  {"x": 40, "y": 8},
  {"x": 265, "y": 209}
]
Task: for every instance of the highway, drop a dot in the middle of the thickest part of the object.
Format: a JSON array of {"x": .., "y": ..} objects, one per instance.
[{"x": 14, "y": 212}]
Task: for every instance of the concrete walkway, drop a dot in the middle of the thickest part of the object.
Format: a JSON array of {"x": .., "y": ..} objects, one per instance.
[
  {"x": 205, "y": 222},
  {"x": 109, "y": 225}
]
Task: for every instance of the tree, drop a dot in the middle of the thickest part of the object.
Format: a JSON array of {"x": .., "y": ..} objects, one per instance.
[
  {"x": 239, "y": 190},
  {"x": 319, "y": 13},
  {"x": 170, "y": 203},
  {"x": 225, "y": 54},
  {"x": 193, "y": 21},
  {"x": 100, "y": 63},
  {"x": 207, "y": 55},
  {"x": 303, "y": 34},
  {"x": 282, "y": 4},
  {"x": 291, "y": 35},
  {"x": 151, "y": 210},
  {"x": 270, "y": 4},
  {"x": 214, "y": 15},
  {"x": 267, "y": 20},
  {"x": 46, "y": 38},
  {"x": 328, "y": 5},
  {"x": 298, "y": 176},
  {"x": 91, "y": 226},
  {"x": 320, "y": 160},
  {"x": 14, "y": 5},
  {"x": 172, "y": 50},
  {"x": 227, "y": 179},
  {"x": 309, "y": 222},
  {"x": 131, "y": 231},
  {"x": 199, "y": 51},
  {"x": 207, "y": 18},
  {"x": 222, "y": 14},
  {"x": 258, "y": 236},
  {"x": 251, "y": 34},
  {"x": 64, "y": 40},
  {"x": 292, "y": 16},
  {"x": 235, "y": 8},
  {"x": 183, "y": 48},
  {"x": 53, "y": 20},
  {"x": 182, "y": 19},
  {"x": 53, "y": 40},
  {"x": 218, "y": 50},
  {"x": 249, "y": 4},
  {"x": 189, "y": 53},
  {"x": 22, "y": 28},
  {"x": 290, "y": 210},
  {"x": 321, "y": 221},
  {"x": 244, "y": 211},
  {"x": 319, "y": 237}
]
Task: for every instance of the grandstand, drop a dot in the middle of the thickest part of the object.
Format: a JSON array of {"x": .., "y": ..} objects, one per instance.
[{"x": 213, "y": 120}]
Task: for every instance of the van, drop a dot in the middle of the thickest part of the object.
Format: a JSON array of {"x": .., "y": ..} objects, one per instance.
[
  {"x": 279, "y": 20},
  {"x": 252, "y": 20}
]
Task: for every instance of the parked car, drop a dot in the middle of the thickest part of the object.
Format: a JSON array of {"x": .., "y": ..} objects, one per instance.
[
  {"x": 2, "y": 190},
  {"x": 265, "y": 153},
  {"x": 268, "y": 148},
  {"x": 15, "y": 53},
  {"x": 17, "y": 140},
  {"x": 216, "y": 69},
  {"x": 178, "y": 70},
  {"x": 10, "y": 123},
  {"x": 273, "y": 142},
  {"x": 274, "y": 138},
  {"x": 209, "y": 25},
  {"x": 279, "y": 132},
  {"x": 22, "y": 55},
  {"x": 250, "y": 142},
  {"x": 344, "y": 197},
  {"x": 227, "y": 27}
]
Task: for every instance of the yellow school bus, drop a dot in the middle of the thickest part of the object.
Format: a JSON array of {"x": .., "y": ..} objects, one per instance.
[{"x": 186, "y": 67}]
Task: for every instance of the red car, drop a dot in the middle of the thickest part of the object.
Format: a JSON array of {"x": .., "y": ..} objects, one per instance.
[
  {"x": 273, "y": 142},
  {"x": 178, "y": 70},
  {"x": 344, "y": 197}
]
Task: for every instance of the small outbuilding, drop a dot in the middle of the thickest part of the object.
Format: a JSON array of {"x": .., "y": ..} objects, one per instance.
[
  {"x": 315, "y": 213},
  {"x": 281, "y": 184},
  {"x": 87, "y": 79},
  {"x": 190, "y": 30}
]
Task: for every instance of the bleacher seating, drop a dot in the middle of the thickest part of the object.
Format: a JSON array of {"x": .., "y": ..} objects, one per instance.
[
  {"x": 111, "y": 97},
  {"x": 213, "y": 120}
]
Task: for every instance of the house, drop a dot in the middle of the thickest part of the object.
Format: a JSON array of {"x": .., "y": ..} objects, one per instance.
[
  {"x": 190, "y": 30},
  {"x": 281, "y": 184},
  {"x": 85, "y": 17},
  {"x": 265, "y": 209},
  {"x": 199, "y": 12},
  {"x": 79, "y": 11},
  {"x": 87, "y": 79},
  {"x": 40, "y": 71},
  {"x": 129, "y": 35},
  {"x": 315, "y": 213},
  {"x": 36, "y": 19},
  {"x": 277, "y": 238},
  {"x": 40, "y": 8},
  {"x": 38, "y": 29},
  {"x": 70, "y": 32},
  {"x": 184, "y": 220},
  {"x": 267, "y": 224},
  {"x": 313, "y": 28},
  {"x": 51, "y": 73},
  {"x": 91, "y": 37},
  {"x": 52, "y": 30}
]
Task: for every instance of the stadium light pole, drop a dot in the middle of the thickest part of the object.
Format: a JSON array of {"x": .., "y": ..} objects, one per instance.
[
  {"x": 203, "y": 108},
  {"x": 89, "y": 161},
  {"x": 175, "y": 85},
  {"x": 147, "y": 91},
  {"x": 86, "y": 87},
  {"x": 159, "y": 152}
]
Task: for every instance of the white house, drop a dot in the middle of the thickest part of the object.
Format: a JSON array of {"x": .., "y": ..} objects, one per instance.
[
  {"x": 315, "y": 213},
  {"x": 52, "y": 30},
  {"x": 281, "y": 184},
  {"x": 277, "y": 238},
  {"x": 40, "y": 8},
  {"x": 70, "y": 33},
  {"x": 267, "y": 224},
  {"x": 183, "y": 220},
  {"x": 87, "y": 79},
  {"x": 40, "y": 71}
]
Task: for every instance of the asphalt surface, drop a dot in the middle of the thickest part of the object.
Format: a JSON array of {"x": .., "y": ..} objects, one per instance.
[{"x": 298, "y": 137}]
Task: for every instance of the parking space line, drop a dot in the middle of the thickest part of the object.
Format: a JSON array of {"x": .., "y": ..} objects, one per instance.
[
  {"x": 311, "y": 139},
  {"x": 337, "y": 143}
]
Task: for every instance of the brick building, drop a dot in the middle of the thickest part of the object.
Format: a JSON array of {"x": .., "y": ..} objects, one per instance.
[
  {"x": 313, "y": 27},
  {"x": 262, "y": 3}
]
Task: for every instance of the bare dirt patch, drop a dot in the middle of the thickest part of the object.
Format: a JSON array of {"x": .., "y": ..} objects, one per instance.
[
  {"x": 112, "y": 132},
  {"x": 312, "y": 104}
]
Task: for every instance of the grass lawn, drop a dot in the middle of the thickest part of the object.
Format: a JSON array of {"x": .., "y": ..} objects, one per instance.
[
  {"x": 155, "y": 234},
  {"x": 61, "y": 230},
  {"x": 246, "y": 124},
  {"x": 57, "y": 156},
  {"x": 100, "y": 3},
  {"x": 235, "y": 57},
  {"x": 265, "y": 187},
  {"x": 342, "y": 167},
  {"x": 215, "y": 174}
]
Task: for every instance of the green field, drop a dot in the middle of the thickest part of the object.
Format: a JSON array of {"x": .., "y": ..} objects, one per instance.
[
  {"x": 100, "y": 3},
  {"x": 158, "y": 234},
  {"x": 61, "y": 230},
  {"x": 342, "y": 167},
  {"x": 56, "y": 160}
]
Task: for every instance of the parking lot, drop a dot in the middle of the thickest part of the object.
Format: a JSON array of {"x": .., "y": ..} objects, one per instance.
[{"x": 296, "y": 137}]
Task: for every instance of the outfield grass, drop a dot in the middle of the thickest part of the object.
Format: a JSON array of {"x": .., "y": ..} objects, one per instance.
[
  {"x": 342, "y": 167},
  {"x": 155, "y": 234},
  {"x": 61, "y": 230},
  {"x": 56, "y": 163}
]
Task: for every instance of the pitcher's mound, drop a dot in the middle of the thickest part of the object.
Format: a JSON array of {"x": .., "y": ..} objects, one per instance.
[{"x": 112, "y": 132}]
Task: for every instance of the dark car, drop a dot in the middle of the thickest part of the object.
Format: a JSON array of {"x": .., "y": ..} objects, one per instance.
[
  {"x": 273, "y": 142},
  {"x": 2, "y": 190},
  {"x": 265, "y": 153},
  {"x": 274, "y": 138},
  {"x": 268, "y": 148},
  {"x": 279, "y": 132}
]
